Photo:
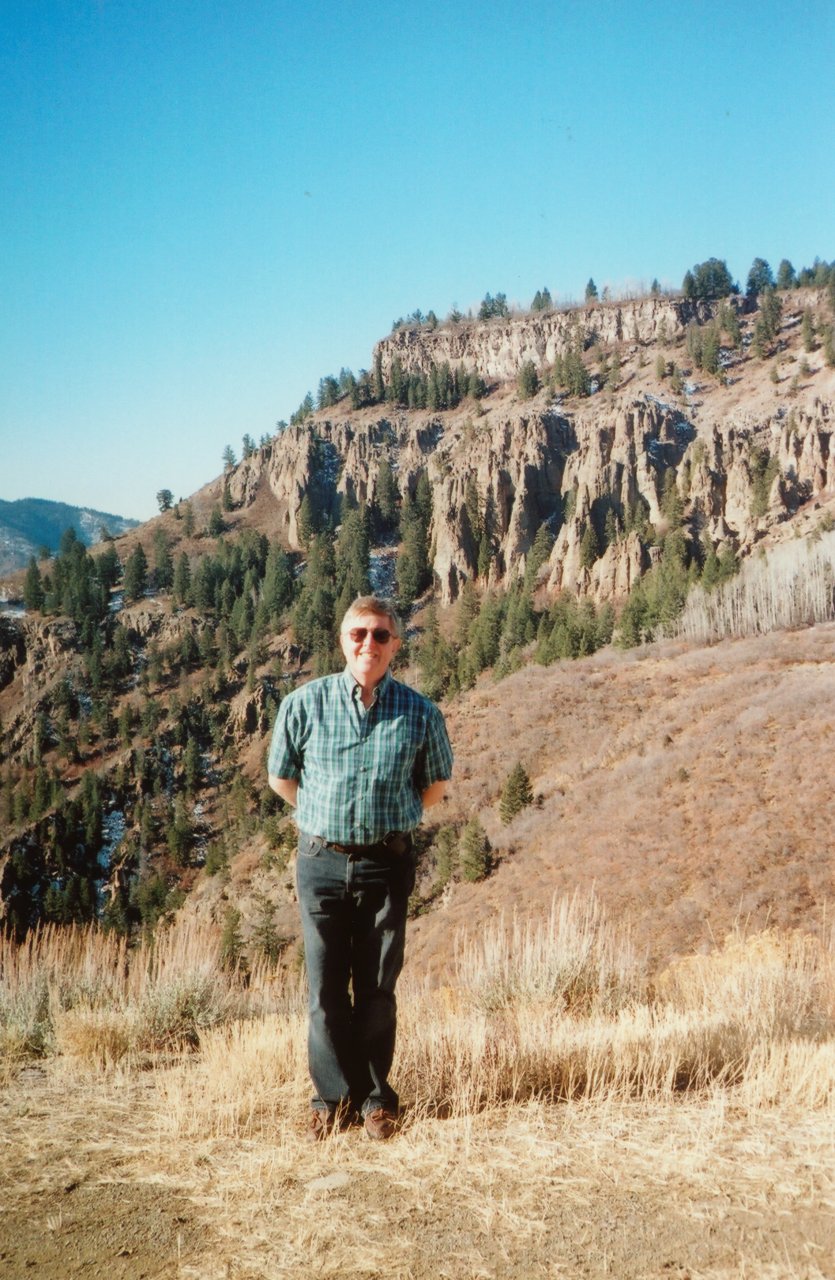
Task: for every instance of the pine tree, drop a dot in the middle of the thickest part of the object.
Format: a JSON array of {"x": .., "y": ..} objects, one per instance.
[
  {"x": 136, "y": 573},
  {"x": 760, "y": 278},
  {"x": 538, "y": 555},
  {"x": 265, "y": 936},
  {"x": 386, "y": 497},
  {"x": 443, "y": 849},
  {"x": 181, "y": 584},
  {"x": 163, "y": 562},
  {"x": 474, "y": 852},
  {"x": 527, "y": 380},
  {"x": 516, "y": 793},
  {"x": 307, "y": 523},
  {"x": 589, "y": 546},
  {"x": 231, "y": 940},
  {"x": 33, "y": 592}
]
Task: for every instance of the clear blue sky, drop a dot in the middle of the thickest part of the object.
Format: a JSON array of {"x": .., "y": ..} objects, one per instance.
[{"x": 208, "y": 205}]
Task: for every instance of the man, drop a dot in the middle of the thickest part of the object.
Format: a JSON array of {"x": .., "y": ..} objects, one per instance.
[{"x": 360, "y": 755}]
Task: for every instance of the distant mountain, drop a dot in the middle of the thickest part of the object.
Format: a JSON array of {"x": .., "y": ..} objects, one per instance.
[{"x": 31, "y": 523}]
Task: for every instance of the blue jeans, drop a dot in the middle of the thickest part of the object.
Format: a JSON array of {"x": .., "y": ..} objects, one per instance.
[{"x": 353, "y": 911}]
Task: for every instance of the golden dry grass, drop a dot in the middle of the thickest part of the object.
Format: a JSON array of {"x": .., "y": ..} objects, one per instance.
[{"x": 563, "y": 1116}]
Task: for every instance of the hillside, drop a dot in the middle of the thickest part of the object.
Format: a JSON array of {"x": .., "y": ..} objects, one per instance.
[{"x": 136, "y": 694}]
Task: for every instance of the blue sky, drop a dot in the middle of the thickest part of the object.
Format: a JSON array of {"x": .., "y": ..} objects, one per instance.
[{"x": 208, "y": 205}]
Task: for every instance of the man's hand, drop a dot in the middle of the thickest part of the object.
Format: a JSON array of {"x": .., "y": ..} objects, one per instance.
[
  {"x": 433, "y": 793},
  {"x": 287, "y": 788}
]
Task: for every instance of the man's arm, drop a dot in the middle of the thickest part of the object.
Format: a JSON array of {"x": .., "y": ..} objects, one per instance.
[
  {"x": 287, "y": 788},
  {"x": 433, "y": 793}
]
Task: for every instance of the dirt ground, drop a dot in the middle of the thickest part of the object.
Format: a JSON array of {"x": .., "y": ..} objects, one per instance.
[{"x": 94, "y": 1183}]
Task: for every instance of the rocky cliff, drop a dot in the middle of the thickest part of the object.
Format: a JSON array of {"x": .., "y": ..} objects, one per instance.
[
  {"x": 498, "y": 348},
  {"x": 605, "y": 461}
]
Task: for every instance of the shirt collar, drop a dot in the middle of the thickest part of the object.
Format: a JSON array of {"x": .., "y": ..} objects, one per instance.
[{"x": 351, "y": 685}]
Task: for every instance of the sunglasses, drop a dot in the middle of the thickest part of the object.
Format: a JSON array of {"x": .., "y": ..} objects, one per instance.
[{"x": 380, "y": 635}]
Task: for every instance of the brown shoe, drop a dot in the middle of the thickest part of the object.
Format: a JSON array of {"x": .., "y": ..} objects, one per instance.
[
  {"x": 380, "y": 1124},
  {"x": 320, "y": 1124}
]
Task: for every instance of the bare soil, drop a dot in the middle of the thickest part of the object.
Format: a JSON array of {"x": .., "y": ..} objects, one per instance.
[{"x": 92, "y": 1185}]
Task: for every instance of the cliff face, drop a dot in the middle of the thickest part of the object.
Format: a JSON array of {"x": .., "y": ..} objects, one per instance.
[
  {"x": 605, "y": 461},
  {"x": 499, "y": 348}
]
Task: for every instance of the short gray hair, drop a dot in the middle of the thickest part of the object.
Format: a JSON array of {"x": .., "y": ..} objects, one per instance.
[{"x": 373, "y": 604}]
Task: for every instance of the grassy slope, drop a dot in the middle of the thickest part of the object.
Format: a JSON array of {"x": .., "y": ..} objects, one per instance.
[{"x": 689, "y": 785}]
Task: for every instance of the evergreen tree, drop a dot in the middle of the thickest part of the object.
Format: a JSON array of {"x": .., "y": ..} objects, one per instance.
[
  {"x": 181, "y": 585},
  {"x": 265, "y": 937},
  {"x": 108, "y": 568},
  {"x": 444, "y": 849},
  {"x": 760, "y": 278},
  {"x": 307, "y": 522},
  {"x": 192, "y": 766},
  {"x": 386, "y": 497},
  {"x": 474, "y": 852},
  {"x": 710, "y": 349},
  {"x": 136, "y": 573},
  {"x": 591, "y": 291},
  {"x": 436, "y": 658},
  {"x": 538, "y": 555},
  {"x": 180, "y": 833},
  {"x": 33, "y": 592},
  {"x": 786, "y": 277},
  {"x": 163, "y": 562},
  {"x": 527, "y": 380},
  {"x": 708, "y": 280},
  {"x": 414, "y": 572},
  {"x": 516, "y": 793},
  {"x": 231, "y": 940},
  {"x": 352, "y": 555},
  {"x": 277, "y": 586},
  {"x": 589, "y": 546}
]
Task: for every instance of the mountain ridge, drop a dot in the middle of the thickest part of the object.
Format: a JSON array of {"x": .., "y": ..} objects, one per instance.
[{"x": 28, "y": 524}]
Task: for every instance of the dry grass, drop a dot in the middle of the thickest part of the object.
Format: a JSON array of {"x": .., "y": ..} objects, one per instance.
[
  {"x": 564, "y": 1115},
  {"x": 82, "y": 993}
]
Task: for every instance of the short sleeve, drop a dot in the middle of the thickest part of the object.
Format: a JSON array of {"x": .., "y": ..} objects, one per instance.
[
  {"x": 285, "y": 757},
  {"x": 435, "y": 760}
]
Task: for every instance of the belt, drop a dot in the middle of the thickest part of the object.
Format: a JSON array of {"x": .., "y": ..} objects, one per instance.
[{"x": 392, "y": 842}]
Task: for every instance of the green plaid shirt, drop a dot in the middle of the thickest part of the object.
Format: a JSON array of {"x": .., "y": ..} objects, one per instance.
[{"x": 360, "y": 772}]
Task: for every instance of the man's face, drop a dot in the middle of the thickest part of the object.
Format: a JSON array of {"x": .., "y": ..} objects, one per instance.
[{"x": 368, "y": 658}]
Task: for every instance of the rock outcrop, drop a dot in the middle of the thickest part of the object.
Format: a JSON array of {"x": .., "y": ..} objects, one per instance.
[
  {"x": 600, "y": 463},
  {"x": 498, "y": 348}
]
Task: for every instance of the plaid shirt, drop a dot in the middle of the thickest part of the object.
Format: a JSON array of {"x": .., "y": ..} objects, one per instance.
[{"x": 361, "y": 772}]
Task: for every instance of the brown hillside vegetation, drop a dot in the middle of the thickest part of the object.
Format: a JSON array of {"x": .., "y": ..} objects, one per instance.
[{"x": 690, "y": 786}]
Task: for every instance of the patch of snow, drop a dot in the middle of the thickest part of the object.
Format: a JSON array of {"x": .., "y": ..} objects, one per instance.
[
  {"x": 381, "y": 571},
  {"x": 113, "y": 829},
  {"x": 662, "y": 404}
]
